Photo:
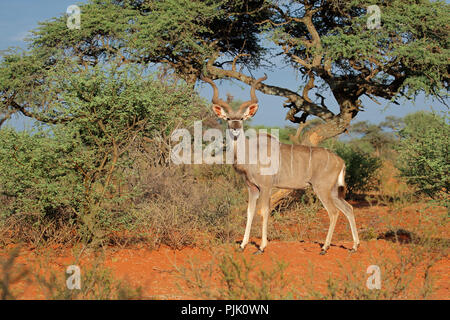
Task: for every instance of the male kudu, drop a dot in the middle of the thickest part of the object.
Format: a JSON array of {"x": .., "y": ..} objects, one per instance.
[{"x": 299, "y": 167}]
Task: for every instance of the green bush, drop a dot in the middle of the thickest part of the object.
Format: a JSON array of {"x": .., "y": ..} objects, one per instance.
[
  {"x": 72, "y": 166},
  {"x": 424, "y": 153},
  {"x": 34, "y": 175},
  {"x": 361, "y": 167}
]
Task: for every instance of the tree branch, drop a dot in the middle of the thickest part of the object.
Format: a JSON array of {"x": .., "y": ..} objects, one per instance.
[
  {"x": 299, "y": 102},
  {"x": 37, "y": 117}
]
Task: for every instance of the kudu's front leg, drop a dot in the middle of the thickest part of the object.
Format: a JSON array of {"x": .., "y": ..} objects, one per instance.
[{"x": 253, "y": 194}]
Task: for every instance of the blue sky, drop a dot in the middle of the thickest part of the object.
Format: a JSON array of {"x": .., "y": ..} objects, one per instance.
[{"x": 17, "y": 17}]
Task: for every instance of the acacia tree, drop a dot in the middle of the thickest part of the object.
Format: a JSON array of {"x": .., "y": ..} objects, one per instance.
[
  {"x": 326, "y": 41},
  {"x": 373, "y": 135}
]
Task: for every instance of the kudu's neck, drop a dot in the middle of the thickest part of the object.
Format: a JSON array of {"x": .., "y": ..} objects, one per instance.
[{"x": 238, "y": 145}]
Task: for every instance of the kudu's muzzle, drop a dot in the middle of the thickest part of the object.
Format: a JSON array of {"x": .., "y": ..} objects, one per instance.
[{"x": 235, "y": 128}]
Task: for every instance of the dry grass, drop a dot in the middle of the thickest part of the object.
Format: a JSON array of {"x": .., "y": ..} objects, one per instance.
[
  {"x": 406, "y": 264},
  {"x": 177, "y": 206},
  {"x": 205, "y": 205},
  {"x": 190, "y": 206},
  {"x": 97, "y": 282},
  {"x": 232, "y": 276}
]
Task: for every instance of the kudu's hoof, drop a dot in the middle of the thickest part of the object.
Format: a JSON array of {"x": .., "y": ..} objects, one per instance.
[
  {"x": 323, "y": 252},
  {"x": 355, "y": 248},
  {"x": 240, "y": 249},
  {"x": 258, "y": 252}
]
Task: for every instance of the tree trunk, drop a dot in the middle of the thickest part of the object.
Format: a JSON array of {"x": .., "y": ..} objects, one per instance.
[{"x": 327, "y": 130}]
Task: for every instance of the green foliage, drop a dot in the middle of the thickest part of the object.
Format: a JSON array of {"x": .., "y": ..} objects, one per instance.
[
  {"x": 424, "y": 153},
  {"x": 95, "y": 93},
  {"x": 374, "y": 139},
  {"x": 326, "y": 40},
  {"x": 35, "y": 174},
  {"x": 179, "y": 31},
  {"x": 70, "y": 166},
  {"x": 361, "y": 168},
  {"x": 413, "y": 34}
]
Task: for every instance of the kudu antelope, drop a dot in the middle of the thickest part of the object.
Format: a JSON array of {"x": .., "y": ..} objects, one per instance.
[{"x": 299, "y": 167}]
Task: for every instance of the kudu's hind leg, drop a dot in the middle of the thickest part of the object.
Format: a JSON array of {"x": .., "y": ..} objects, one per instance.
[
  {"x": 327, "y": 201},
  {"x": 265, "y": 206},
  {"x": 253, "y": 194},
  {"x": 347, "y": 210}
]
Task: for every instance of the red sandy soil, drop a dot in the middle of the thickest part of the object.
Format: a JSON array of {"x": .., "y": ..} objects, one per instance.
[{"x": 155, "y": 271}]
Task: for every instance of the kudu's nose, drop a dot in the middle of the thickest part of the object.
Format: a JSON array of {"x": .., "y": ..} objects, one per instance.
[
  {"x": 235, "y": 128},
  {"x": 235, "y": 133}
]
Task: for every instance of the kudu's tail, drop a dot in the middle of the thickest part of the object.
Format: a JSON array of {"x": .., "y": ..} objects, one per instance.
[{"x": 341, "y": 183}]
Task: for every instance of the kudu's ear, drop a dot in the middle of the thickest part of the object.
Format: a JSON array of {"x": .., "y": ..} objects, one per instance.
[
  {"x": 250, "y": 111},
  {"x": 219, "y": 111}
]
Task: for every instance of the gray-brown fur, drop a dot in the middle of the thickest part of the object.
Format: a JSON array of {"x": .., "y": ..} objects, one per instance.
[{"x": 299, "y": 167}]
